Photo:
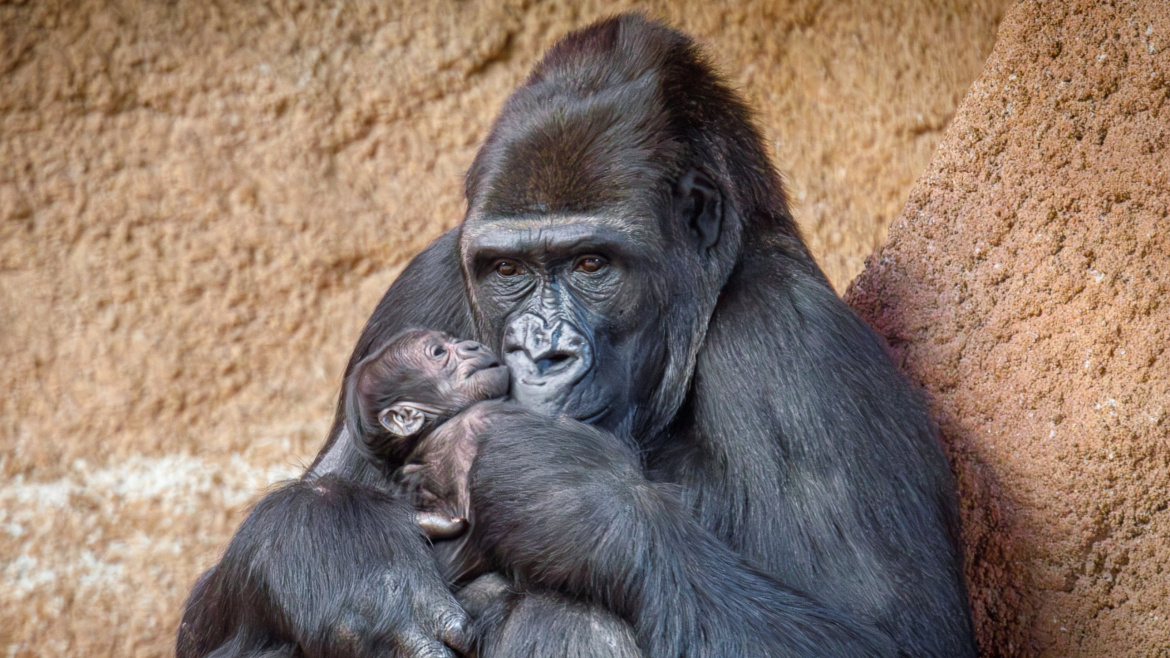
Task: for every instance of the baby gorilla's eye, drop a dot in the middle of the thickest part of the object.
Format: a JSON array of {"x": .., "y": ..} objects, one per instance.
[
  {"x": 589, "y": 264},
  {"x": 509, "y": 268},
  {"x": 438, "y": 351}
]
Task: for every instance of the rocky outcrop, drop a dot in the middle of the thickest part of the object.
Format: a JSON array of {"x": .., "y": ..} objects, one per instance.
[{"x": 1025, "y": 287}]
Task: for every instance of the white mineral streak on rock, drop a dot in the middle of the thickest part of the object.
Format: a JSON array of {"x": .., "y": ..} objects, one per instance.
[{"x": 34, "y": 513}]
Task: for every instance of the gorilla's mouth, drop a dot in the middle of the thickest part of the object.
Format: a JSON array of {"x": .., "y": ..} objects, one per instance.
[
  {"x": 553, "y": 391},
  {"x": 573, "y": 394},
  {"x": 553, "y": 364},
  {"x": 490, "y": 365},
  {"x": 596, "y": 417},
  {"x": 484, "y": 363},
  {"x": 490, "y": 380}
]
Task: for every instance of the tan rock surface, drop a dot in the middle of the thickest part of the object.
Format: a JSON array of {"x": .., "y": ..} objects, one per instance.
[
  {"x": 1025, "y": 285},
  {"x": 200, "y": 202}
]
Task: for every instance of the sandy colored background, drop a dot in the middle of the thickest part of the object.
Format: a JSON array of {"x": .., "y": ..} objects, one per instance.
[
  {"x": 201, "y": 202},
  {"x": 1027, "y": 286}
]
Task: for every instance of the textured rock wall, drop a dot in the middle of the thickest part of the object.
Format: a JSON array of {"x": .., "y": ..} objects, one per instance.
[
  {"x": 1025, "y": 286},
  {"x": 200, "y": 202}
]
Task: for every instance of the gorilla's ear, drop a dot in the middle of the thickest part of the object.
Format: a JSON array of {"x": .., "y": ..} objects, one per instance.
[
  {"x": 402, "y": 419},
  {"x": 699, "y": 204}
]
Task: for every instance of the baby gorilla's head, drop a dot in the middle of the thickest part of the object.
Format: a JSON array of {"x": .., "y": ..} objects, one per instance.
[{"x": 398, "y": 394}]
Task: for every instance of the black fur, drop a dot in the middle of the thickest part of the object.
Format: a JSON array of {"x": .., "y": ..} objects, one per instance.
[
  {"x": 323, "y": 568},
  {"x": 763, "y": 481}
]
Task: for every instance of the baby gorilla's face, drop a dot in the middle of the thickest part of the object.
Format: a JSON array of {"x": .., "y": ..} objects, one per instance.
[{"x": 464, "y": 371}]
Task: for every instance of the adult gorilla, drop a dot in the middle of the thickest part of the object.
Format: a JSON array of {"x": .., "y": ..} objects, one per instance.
[{"x": 629, "y": 250}]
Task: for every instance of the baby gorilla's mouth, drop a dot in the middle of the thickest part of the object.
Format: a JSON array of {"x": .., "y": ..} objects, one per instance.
[
  {"x": 482, "y": 365},
  {"x": 486, "y": 368},
  {"x": 489, "y": 378}
]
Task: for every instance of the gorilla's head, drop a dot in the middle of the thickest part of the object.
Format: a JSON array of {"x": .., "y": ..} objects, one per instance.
[{"x": 605, "y": 211}]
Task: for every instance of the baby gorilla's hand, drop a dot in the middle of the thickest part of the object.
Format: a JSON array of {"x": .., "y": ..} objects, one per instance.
[
  {"x": 434, "y": 478},
  {"x": 441, "y": 526}
]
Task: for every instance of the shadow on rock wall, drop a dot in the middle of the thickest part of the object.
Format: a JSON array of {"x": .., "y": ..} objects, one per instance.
[{"x": 1025, "y": 286}]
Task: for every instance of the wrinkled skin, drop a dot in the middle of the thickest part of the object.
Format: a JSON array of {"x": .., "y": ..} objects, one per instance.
[
  {"x": 736, "y": 468},
  {"x": 563, "y": 305},
  {"x": 399, "y": 394}
]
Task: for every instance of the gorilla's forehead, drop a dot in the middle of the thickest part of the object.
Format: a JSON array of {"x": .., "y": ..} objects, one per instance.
[
  {"x": 562, "y": 153},
  {"x": 573, "y": 233}
]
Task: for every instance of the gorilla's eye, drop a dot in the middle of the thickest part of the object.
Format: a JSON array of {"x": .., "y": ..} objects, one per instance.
[
  {"x": 589, "y": 264},
  {"x": 437, "y": 351},
  {"x": 509, "y": 268}
]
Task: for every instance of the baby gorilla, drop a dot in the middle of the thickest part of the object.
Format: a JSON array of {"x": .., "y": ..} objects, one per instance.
[
  {"x": 423, "y": 401},
  {"x": 414, "y": 402}
]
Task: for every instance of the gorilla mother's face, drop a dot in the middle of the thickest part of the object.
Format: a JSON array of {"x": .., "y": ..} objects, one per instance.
[
  {"x": 570, "y": 304},
  {"x": 593, "y": 248}
]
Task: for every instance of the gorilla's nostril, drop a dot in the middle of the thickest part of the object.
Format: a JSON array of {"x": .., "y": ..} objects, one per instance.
[{"x": 553, "y": 361}]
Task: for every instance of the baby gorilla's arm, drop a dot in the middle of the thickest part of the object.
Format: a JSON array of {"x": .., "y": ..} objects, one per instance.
[{"x": 434, "y": 479}]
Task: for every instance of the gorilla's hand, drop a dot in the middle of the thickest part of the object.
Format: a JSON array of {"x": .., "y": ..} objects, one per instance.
[
  {"x": 550, "y": 520},
  {"x": 416, "y": 617},
  {"x": 440, "y": 526},
  {"x": 335, "y": 568},
  {"x": 581, "y": 518}
]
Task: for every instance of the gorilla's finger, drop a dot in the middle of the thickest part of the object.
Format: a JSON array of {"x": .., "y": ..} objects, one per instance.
[
  {"x": 416, "y": 644},
  {"x": 441, "y": 526},
  {"x": 457, "y": 632}
]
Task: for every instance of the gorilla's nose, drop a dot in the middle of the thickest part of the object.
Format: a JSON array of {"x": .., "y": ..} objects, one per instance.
[
  {"x": 546, "y": 357},
  {"x": 549, "y": 347}
]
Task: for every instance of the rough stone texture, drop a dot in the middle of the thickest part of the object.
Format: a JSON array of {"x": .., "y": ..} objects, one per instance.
[
  {"x": 1025, "y": 286},
  {"x": 200, "y": 202}
]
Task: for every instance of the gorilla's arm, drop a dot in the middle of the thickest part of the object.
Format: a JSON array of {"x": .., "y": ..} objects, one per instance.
[
  {"x": 800, "y": 451},
  {"x": 331, "y": 563},
  {"x": 581, "y": 518},
  {"x": 332, "y": 567},
  {"x": 803, "y": 448}
]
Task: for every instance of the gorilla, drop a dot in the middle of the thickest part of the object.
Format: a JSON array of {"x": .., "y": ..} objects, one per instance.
[
  {"x": 432, "y": 397},
  {"x": 757, "y": 477}
]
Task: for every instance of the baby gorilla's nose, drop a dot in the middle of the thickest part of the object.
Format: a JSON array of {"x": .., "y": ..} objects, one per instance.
[{"x": 469, "y": 349}]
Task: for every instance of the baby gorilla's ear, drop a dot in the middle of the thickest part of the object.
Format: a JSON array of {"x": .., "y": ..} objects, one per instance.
[{"x": 403, "y": 419}]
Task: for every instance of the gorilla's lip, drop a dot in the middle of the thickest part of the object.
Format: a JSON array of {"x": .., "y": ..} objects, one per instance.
[
  {"x": 565, "y": 370},
  {"x": 475, "y": 369},
  {"x": 568, "y": 375},
  {"x": 489, "y": 381},
  {"x": 489, "y": 373},
  {"x": 597, "y": 416},
  {"x": 556, "y": 393}
]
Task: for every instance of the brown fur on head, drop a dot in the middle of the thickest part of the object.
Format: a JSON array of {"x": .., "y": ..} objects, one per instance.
[{"x": 396, "y": 396}]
